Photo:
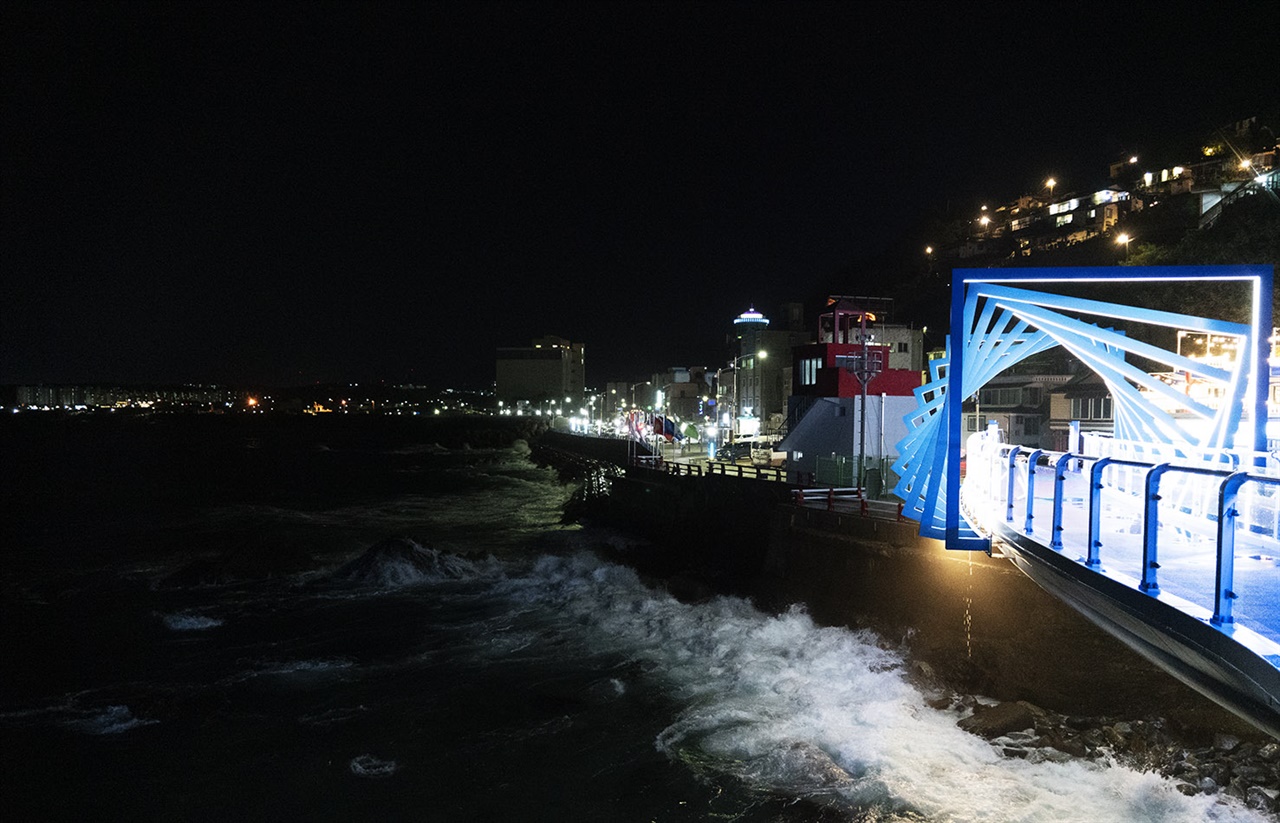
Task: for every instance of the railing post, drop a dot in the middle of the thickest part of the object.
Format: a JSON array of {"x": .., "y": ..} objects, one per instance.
[
  {"x": 862, "y": 507},
  {"x": 1092, "y": 559},
  {"x": 900, "y": 510},
  {"x": 1008, "y": 496},
  {"x": 831, "y": 500},
  {"x": 1151, "y": 529},
  {"x": 1225, "y": 575},
  {"x": 1059, "y": 476},
  {"x": 1032, "y": 460}
]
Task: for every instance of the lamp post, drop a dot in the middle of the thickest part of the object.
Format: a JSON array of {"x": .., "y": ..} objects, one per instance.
[
  {"x": 1123, "y": 238},
  {"x": 1050, "y": 183}
]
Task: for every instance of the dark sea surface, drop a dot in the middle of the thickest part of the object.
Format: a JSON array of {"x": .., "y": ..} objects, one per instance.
[{"x": 345, "y": 619}]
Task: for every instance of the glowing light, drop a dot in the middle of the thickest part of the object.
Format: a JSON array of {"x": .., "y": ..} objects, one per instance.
[
  {"x": 1244, "y": 164},
  {"x": 1133, "y": 159},
  {"x": 928, "y": 249},
  {"x": 985, "y": 220},
  {"x": 751, "y": 316},
  {"x": 1122, "y": 238},
  {"x": 252, "y": 401}
]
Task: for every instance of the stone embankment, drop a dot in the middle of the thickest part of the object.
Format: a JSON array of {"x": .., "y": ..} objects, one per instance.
[{"x": 1248, "y": 770}]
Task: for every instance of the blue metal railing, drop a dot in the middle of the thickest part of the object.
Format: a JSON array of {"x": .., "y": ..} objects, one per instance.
[{"x": 1216, "y": 504}]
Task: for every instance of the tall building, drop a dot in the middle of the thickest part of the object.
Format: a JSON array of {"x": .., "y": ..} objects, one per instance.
[
  {"x": 549, "y": 373},
  {"x": 753, "y": 389}
]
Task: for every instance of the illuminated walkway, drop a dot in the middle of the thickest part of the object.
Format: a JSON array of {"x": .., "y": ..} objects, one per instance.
[{"x": 1141, "y": 547}]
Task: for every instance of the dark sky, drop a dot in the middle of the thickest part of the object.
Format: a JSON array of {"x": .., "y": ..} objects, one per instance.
[{"x": 291, "y": 193}]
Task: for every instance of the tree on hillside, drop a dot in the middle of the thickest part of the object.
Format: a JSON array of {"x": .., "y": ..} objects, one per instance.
[{"x": 1247, "y": 233}]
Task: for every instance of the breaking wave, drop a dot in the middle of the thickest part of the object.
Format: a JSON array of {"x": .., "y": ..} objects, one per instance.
[
  {"x": 828, "y": 714},
  {"x": 399, "y": 561}
]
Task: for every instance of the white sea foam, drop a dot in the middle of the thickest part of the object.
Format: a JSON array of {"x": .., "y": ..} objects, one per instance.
[
  {"x": 107, "y": 720},
  {"x": 366, "y": 765},
  {"x": 189, "y": 622},
  {"x": 787, "y": 705}
]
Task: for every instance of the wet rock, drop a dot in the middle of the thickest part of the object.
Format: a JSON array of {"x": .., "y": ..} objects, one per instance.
[
  {"x": 1112, "y": 736},
  {"x": 994, "y": 721},
  {"x": 1263, "y": 799},
  {"x": 1187, "y": 789},
  {"x": 1270, "y": 752},
  {"x": 1225, "y": 742},
  {"x": 1066, "y": 743}
]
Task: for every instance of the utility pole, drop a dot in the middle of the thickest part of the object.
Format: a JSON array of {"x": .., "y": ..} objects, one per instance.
[{"x": 865, "y": 370}]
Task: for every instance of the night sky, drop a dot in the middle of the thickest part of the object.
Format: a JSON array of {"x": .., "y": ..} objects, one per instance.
[{"x": 289, "y": 193}]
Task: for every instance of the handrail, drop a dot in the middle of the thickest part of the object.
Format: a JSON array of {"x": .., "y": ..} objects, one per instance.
[
  {"x": 1151, "y": 520},
  {"x": 1229, "y": 486},
  {"x": 1094, "y": 544}
]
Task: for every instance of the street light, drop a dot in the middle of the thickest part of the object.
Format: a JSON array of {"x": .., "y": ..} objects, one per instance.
[
  {"x": 1123, "y": 238},
  {"x": 1051, "y": 183}
]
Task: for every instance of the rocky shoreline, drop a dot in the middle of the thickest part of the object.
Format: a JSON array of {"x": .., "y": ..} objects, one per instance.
[{"x": 1248, "y": 770}]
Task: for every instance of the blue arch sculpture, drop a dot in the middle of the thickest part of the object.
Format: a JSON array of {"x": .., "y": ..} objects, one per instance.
[{"x": 997, "y": 322}]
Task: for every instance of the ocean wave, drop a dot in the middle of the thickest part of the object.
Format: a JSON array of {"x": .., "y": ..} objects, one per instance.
[
  {"x": 785, "y": 705},
  {"x": 108, "y": 720},
  {"x": 399, "y": 561},
  {"x": 366, "y": 765},
  {"x": 189, "y": 622},
  {"x": 319, "y": 666}
]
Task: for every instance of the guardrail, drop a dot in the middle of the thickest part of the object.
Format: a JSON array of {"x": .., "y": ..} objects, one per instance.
[
  {"x": 682, "y": 468},
  {"x": 1198, "y": 504},
  {"x": 830, "y": 498},
  {"x": 833, "y": 499}
]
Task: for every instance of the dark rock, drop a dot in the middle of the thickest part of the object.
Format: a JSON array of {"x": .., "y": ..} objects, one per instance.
[
  {"x": 994, "y": 721},
  {"x": 1225, "y": 742},
  {"x": 1262, "y": 798},
  {"x": 1067, "y": 743}
]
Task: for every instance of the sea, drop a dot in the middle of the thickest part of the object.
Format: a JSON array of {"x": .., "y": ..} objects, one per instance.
[{"x": 249, "y": 617}]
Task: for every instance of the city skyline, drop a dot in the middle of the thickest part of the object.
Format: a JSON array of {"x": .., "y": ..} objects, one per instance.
[{"x": 328, "y": 193}]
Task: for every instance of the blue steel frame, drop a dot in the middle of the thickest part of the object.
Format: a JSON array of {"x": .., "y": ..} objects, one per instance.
[{"x": 981, "y": 345}]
